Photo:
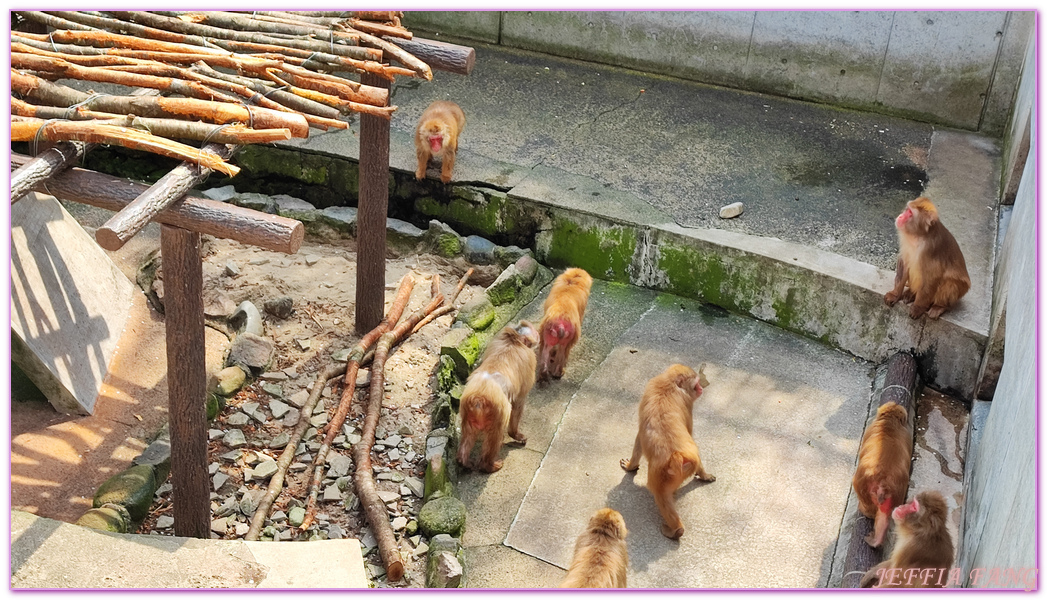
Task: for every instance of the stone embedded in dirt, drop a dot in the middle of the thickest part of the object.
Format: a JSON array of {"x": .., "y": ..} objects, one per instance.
[
  {"x": 297, "y": 466},
  {"x": 291, "y": 418},
  {"x": 285, "y": 535},
  {"x": 274, "y": 376},
  {"x": 220, "y": 526},
  {"x": 446, "y": 572},
  {"x": 393, "y": 476},
  {"x": 248, "y": 474},
  {"x": 318, "y": 420},
  {"x": 417, "y": 486},
  {"x": 331, "y": 494},
  {"x": 311, "y": 259},
  {"x": 342, "y": 218},
  {"x": 259, "y": 262},
  {"x": 232, "y": 270},
  {"x": 256, "y": 201},
  {"x": 237, "y": 419},
  {"x": 478, "y": 250},
  {"x": 217, "y": 304},
  {"x": 421, "y": 549},
  {"x": 732, "y": 210},
  {"x": 212, "y": 468},
  {"x": 279, "y": 409},
  {"x": 249, "y": 407},
  {"x": 393, "y": 440},
  {"x": 509, "y": 254},
  {"x": 219, "y": 480},
  {"x": 399, "y": 523},
  {"x": 251, "y": 353},
  {"x": 234, "y": 438},
  {"x": 394, "y": 454},
  {"x": 375, "y": 571},
  {"x": 335, "y": 532},
  {"x": 527, "y": 267},
  {"x": 214, "y": 434},
  {"x": 278, "y": 516},
  {"x": 388, "y": 497},
  {"x": 281, "y": 440},
  {"x": 367, "y": 539},
  {"x": 304, "y": 344},
  {"x": 280, "y": 308},
  {"x": 242, "y": 529},
  {"x": 273, "y": 390},
  {"x": 442, "y": 515},
  {"x": 299, "y": 398},
  {"x": 363, "y": 378},
  {"x": 436, "y": 443},
  {"x": 164, "y": 522},
  {"x": 295, "y": 516},
  {"x": 163, "y": 489},
  {"x": 229, "y": 380},
  {"x": 291, "y": 372},
  {"x": 232, "y": 455},
  {"x": 288, "y": 206},
  {"x": 228, "y": 507},
  {"x": 265, "y": 469},
  {"x": 339, "y": 465},
  {"x": 341, "y": 355},
  {"x": 503, "y": 290},
  {"x": 247, "y": 319},
  {"x": 250, "y": 501},
  {"x": 410, "y": 456}
]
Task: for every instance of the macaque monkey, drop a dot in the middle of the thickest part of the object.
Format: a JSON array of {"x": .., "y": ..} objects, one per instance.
[
  {"x": 929, "y": 262},
  {"x": 923, "y": 551},
  {"x": 600, "y": 554},
  {"x": 561, "y": 325},
  {"x": 494, "y": 395},
  {"x": 437, "y": 135},
  {"x": 882, "y": 477},
  {"x": 665, "y": 439}
]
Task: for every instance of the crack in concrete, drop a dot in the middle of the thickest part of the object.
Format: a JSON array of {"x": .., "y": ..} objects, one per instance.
[{"x": 610, "y": 110}]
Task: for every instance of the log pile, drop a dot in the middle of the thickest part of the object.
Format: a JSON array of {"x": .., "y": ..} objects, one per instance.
[{"x": 232, "y": 77}]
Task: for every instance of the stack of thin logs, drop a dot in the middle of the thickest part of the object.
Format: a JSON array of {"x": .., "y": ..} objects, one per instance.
[
  {"x": 243, "y": 77},
  {"x": 374, "y": 347}
]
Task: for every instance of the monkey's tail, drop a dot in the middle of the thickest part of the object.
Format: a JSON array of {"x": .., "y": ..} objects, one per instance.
[
  {"x": 680, "y": 466},
  {"x": 884, "y": 507}
]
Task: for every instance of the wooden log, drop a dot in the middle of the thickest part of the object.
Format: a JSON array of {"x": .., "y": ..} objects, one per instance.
[
  {"x": 27, "y": 129},
  {"x": 373, "y": 205},
  {"x": 186, "y": 380},
  {"x": 899, "y": 386},
  {"x": 51, "y": 21},
  {"x": 174, "y": 24},
  {"x": 222, "y": 220},
  {"x": 237, "y": 22},
  {"x": 440, "y": 56},
  {"x": 394, "y": 52},
  {"x": 122, "y": 226},
  {"x": 342, "y": 104},
  {"x": 102, "y": 40},
  {"x": 135, "y": 30}
]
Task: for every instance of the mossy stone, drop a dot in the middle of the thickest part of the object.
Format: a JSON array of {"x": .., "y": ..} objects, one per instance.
[
  {"x": 503, "y": 290},
  {"x": 478, "y": 314},
  {"x": 437, "y": 479},
  {"x": 229, "y": 380},
  {"x": 108, "y": 517},
  {"x": 442, "y": 515},
  {"x": 133, "y": 489}
]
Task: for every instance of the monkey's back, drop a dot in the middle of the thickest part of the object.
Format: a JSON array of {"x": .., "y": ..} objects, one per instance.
[
  {"x": 444, "y": 110},
  {"x": 575, "y": 283},
  {"x": 883, "y": 459},
  {"x": 599, "y": 562},
  {"x": 665, "y": 417}
]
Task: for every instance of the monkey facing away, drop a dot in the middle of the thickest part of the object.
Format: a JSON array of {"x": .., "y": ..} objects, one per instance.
[
  {"x": 494, "y": 394},
  {"x": 930, "y": 263},
  {"x": 665, "y": 439},
  {"x": 437, "y": 136},
  {"x": 600, "y": 554},
  {"x": 881, "y": 479},
  {"x": 923, "y": 550},
  {"x": 561, "y": 325}
]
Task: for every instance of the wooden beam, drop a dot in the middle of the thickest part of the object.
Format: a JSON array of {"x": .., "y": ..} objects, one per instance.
[
  {"x": 440, "y": 56},
  {"x": 186, "y": 380},
  {"x": 371, "y": 216},
  {"x": 205, "y": 216}
]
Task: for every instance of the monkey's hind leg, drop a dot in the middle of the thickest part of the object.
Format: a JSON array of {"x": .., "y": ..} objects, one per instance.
[
  {"x": 465, "y": 445},
  {"x": 663, "y": 488},
  {"x": 514, "y": 422},
  {"x": 492, "y": 446},
  {"x": 920, "y": 306},
  {"x": 701, "y": 473},
  {"x": 632, "y": 463},
  {"x": 423, "y": 162}
]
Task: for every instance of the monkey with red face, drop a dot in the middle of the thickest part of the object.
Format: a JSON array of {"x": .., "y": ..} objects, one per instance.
[
  {"x": 437, "y": 136},
  {"x": 930, "y": 263},
  {"x": 923, "y": 551}
]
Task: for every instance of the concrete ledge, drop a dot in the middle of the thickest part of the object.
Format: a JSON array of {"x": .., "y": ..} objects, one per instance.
[{"x": 51, "y": 554}]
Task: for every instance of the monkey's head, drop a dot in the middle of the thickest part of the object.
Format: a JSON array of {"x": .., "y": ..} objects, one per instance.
[
  {"x": 527, "y": 333},
  {"x": 608, "y": 522},
  {"x": 926, "y": 510},
  {"x": 918, "y": 215},
  {"x": 687, "y": 380},
  {"x": 435, "y": 133}
]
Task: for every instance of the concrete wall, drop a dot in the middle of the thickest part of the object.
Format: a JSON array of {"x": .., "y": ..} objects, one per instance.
[
  {"x": 1000, "y": 478},
  {"x": 957, "y": 68}
]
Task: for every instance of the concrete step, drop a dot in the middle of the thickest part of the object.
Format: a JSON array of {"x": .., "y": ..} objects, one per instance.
[{"x": 51, "y": 554}]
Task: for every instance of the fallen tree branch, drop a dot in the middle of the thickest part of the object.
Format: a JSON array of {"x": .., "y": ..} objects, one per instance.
[
  {"x": 363, "y": 477},
  {"x": 353, "y": 362},
  {"x": 448, "y": 305}
]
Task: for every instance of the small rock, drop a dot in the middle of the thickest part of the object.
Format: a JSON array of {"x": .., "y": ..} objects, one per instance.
[
  {"x": 299, "y": 398},
  {"x": 405, "y": 430},
  {"x": 342, "y": 218},
  {"x": 237, "y": 419},
  {"x": 394, "y": 454},
  {"x": 295, "y": 516},
  {"x": 247, "y": 319},
  {"x": 259, "y": 262},
  {"x": 248, "y": 474},
  {"x": 278, "y": 408},
  {"x": 163, "y": 489},
  {"x": 289, "y": 206},
  {"x": 375, "y": 571},
  {"x": 291, "y": 372},
  {"x": 335, "y": 532},
  {"x": 214, "y": 434},
  {"x": 412, "y": 527},
  {"x": 732, "y": 210},
  {"x": 478, "y": 250},
  {"x": 388, "y": 497},
  {"x": 304, "y": 344},
  {"x": 281, "y": 440},
  {"x": 219, "y": 194},
  {"x": 212, "y": 468},
  {"x": 229, "y": 380},
  {"x": 410, "y": 456},
  {"x": 527, "y": 267},
  {"x": 446, "y": 572},
  {"x": 297, "y": 466},
  {"x": 164, "y": 522},
  {"x": 399, "y": 523},
  {"x": 279, "y": 516},
  {"x": 232, "y": 455},
  {"x": 442, "y": 515},
  {"x": 339, "y": 465},
  {"x": 251, "y": 353},
  {"x": 242, "y": 529},
  {"x": 259, "y": 202},
  {"x": 265, "y": 469},
  {"x": 280, "y": 308},
  {"x": 332, "y": 494},
  {"x": 227, "y": 508},
  {"x": 273, "y": 390},
  {"x": 353, "y": 438},
  {"x": 319, "y": 420},
  {"x": 249, "y": 502},
  {"x": 393, "y": 440},
  {"x": 291, "y": 418},
  {"x": 274, "y": 376},
  {"x": 219, "y": 526},
  {"x": 311, "y": 259},
  {"x": 417, "y": 486},
  {"x": 249, "y": 407},
  {"x": 393, "y": 476},
  {"x": 503, "y": 290},
  {"x": 234, "y": 438},
  {"x": 421, "y": 549},
  {"x": 232, "y": 270}
]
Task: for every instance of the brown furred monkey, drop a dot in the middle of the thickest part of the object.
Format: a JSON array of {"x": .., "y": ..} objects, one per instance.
[
  {"x": 665, "y": 438},
  {"x": 561, "y": 325},
  {"x": 600, "y": 554},
  {"x": 929, "y": 262},
  {"x": 437, "y": 135},
  {"x": 882, "y": 477},
  {"x": 494, "y": 395},
  {"x": 923, "y": 551}
]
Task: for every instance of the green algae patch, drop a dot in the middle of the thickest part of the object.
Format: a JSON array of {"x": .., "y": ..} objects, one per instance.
[{"x": 604, "y": 251}]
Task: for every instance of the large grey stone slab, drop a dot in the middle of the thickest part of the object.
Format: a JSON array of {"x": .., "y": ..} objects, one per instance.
[
  {"x": 69, "y": 303},
  {"x": 779, "y": 426}
]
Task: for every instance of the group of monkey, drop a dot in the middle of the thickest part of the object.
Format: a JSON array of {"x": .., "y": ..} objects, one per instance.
[{"x": 931, "y": 275}]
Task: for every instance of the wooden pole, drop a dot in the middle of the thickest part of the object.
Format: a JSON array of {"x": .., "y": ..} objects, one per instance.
[
  {"x": 186, "y": 380},
  {"x": 440, "y": 56},
  {"x": 371, "y": 215}
]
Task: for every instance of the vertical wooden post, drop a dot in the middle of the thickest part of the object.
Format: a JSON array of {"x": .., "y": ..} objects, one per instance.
[
  {"x": 186, "y": 380},
  {"x": 370, "y": 217}
]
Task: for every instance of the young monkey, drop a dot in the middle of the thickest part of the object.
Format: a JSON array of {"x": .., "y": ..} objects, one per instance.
[
  {"x": 882, "y": 478},
  {"x": 665, "y": 438},
  {"x": 923, "y": 551},
  {"x": 494, "y": 394},
  {"x": 437, "y": 136},
  {"x": 929, "y": 262},
  {"x": 561, "y": 325},
  {"x": 600, "y": 554}
]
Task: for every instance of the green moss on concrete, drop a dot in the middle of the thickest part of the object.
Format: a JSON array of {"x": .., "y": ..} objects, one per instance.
[{"x": 605, "y": 252}]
